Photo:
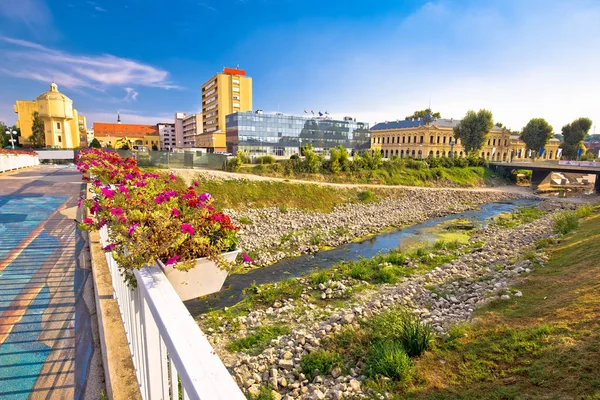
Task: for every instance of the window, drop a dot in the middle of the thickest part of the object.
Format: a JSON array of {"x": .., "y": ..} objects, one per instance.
[
  {"x": 415, "y": 141},
  {"x": 494, "y": 141},
  {"x": 236, "y": 104},
  {"x": 431, "y": 139},
  {"x": 444, "y": 139},
  {"x": 438, "y": 140},
  {"x": 388, "y": 140},
  {"x": 408, "y": 139},
  {"x": 403, "y": 139},
  {"x": 421, "y": 139},
  {"x": 58, "y": 125},
  {"x": 236, "y": 89},
  {"x": 59, "y": 139},
  {"x": 393, "y": 137}
]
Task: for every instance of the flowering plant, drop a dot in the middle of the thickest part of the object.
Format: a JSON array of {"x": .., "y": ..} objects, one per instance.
[
  {"x": 18, "y": 152},
  {"x": 152, "y": 216}
]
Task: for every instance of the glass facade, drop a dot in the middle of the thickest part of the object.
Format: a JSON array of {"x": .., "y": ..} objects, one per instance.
[{"x": 284, "y": 135}]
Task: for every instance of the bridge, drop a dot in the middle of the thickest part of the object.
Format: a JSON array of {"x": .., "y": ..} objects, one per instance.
[{"x": 541, "y": 170}]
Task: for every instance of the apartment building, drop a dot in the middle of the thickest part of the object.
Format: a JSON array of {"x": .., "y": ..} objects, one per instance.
[
  {"x": 223, "y": 94},
  {"x": 192, "y": 129},
  {"x": 166, "y": 131}
]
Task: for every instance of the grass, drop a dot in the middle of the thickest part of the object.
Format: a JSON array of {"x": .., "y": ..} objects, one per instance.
[
  {"x": 259, "y": 340},
  {"x": 545, "y": 344},
  {"x": 320, "y": 362},
  {"x": 439, "y": 176},
  {"x": 244, "y": 194},
  {"x": 521, "y": 216}
]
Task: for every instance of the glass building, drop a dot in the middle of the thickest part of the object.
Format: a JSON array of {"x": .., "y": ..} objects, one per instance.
[{"x": 284, "y": 135}]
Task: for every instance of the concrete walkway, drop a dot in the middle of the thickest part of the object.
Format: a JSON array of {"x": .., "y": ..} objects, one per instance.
[{"x": 48, "y": 332}]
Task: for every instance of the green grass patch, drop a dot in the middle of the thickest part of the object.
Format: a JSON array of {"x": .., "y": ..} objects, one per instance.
[
  {"x": 320, "y": 362},
  {"x": 259, "y": 340},
  {"x": 521, "y": 216}
]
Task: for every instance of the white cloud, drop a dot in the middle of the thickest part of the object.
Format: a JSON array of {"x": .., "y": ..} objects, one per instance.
[
  {"x": 34, "y": 14},
  {"x": 131, "y": 94},
  {"x": 98, "y": 8},
  {"x": 41, "y": 63}
]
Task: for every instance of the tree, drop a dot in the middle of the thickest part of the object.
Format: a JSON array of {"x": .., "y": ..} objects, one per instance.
[
  {"x": 499, "y": 125},
  {"x": 95, "y": 144},
  {"x": 3, "y": 136},
  {"x": 573, "y": 134},
  {"x": 473, "y": 129},
  {"x": 423, "y": 113},
  {"x": 536, "y": 134},
  {"x": 38, "y": 137}
]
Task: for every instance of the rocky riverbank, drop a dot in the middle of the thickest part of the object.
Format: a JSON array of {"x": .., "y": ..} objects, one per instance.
[
  {"x": 271, "y": 234},
  {"x": 442, "y": 297}
]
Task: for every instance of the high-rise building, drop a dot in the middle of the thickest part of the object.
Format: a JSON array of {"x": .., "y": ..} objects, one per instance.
[
  {"x": 166, "y": 131},
  {"x": 192, "y": 129},
  {"x": 63, "y": 127},
  {"x": 223, "y": 94},
  {"x": 179, "y": 117}
]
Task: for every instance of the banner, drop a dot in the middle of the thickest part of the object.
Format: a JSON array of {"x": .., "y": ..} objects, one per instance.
[
  {"x": 529, "y": 154},
  {"x": 542, "y": 150},
  {"x": 493, "y": 150},
  {"x": 558, "y": 153},
  {"x": 579, "y": 151}
]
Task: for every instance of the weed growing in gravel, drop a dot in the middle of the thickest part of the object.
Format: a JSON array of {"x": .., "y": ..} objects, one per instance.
[
  {"x": 260, "y": 339},
  {"x": 320, "y": 362},
  {"x": 245, "y": 220},
  {"x": 388, "y": 358},
  {"x": 565, "y": 222},
  {"x": 521, "y": 216},
  {"x": 267, "y": 294}
]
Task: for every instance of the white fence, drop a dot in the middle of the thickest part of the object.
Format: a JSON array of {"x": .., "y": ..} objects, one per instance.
[
  {"x": 14, "y": 161},
  {"x": 56, "y": 154},
  {"x": 172, "y": 357}
]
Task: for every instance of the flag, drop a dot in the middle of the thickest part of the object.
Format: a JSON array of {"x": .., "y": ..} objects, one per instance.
[
  {"x": 326, "y": 113},
  {"x": 313, "y": 112},
  {"x": 305, "y": 112},
  {"x": 320, "y": 114},
  {"x": 542, "y": 150},
  {"x": 579, "y": 151},
  {"x": 529, "y": 154},
  {"x": 493, "y": 150},
  {"x": 558, "y": 153}
]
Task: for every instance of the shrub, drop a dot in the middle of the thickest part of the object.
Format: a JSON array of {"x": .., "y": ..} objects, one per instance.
[
  {"x": 396, "y": 258},
  {"x": 584, "y": 211},
  {"x": 415, "y": 164},
  {"x": 403, "y": 327},
  {"x": 294, "y": 157},
  {"x": 312, "y": 161},
  {"x": 366, "y": 196},
  {"x": 565, "y": 222},
  {"x": 266, "y": 160},
  {"x": 388, "y": 358},
  {"x": 319, "y": 277},
  {"x": 360, "y": 270},
  {"x": 322, "y": 361}
]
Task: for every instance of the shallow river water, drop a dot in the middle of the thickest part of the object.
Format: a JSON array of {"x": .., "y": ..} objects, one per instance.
[{"x": 294, "y": 267}]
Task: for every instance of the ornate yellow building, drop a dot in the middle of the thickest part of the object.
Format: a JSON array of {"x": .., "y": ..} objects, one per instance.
[
  {"x": 421, "y": 138},
  {"x": 63, "y": 127}
]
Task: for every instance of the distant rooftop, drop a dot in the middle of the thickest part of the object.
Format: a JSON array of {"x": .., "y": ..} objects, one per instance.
[{"x": 416, "y": 122}]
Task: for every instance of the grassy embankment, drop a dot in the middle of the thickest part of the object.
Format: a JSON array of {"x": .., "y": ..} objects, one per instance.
[{"x": 426, "y": 177}]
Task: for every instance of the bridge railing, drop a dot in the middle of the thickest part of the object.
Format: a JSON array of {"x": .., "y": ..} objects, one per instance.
[
  {"x": 9, "y": 162},
  {"x": 171, "y": 356}
]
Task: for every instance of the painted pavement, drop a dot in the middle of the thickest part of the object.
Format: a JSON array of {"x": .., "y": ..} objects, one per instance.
[{"x": 45, "y": 328}]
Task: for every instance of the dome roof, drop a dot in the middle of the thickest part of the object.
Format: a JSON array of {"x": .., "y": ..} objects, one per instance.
[{"x": 53, "y": 94}]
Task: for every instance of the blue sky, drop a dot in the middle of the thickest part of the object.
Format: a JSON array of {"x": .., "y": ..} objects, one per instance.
[{"x": 375, "y": 60}]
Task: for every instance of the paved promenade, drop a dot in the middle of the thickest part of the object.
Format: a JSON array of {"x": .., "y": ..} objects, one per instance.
[{"x": 47, "y": 334}]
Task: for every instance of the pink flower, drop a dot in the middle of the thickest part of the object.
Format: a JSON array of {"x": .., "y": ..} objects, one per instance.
[
  {"x": 116, "y": 211},
  {"x": 79, "y": 203},
  {"x": 172, "y": 260},
  {"x": 187, "y": 228},
  {"x": 175, "y": 212},
  {"x": 88, "y": 221},
  {"x": 95, "y": 208},
  {"x": 195, "y": 183},
  {"x": 247, "y": 258},
  {"x": 160, "y": 199},
  {"x": 123, "y": 189},
  {"x": 97, "y": 182},
  {"x": 205, "y": 196},
  {"x": 173, "y": 177},
  {"x": 132, "y": 229},
  {"x": 108, "y": 193},
  {"x": 129, "y": 176},
  {"x": 140, "y": 183},
  {"x": 109, "y": 247}
]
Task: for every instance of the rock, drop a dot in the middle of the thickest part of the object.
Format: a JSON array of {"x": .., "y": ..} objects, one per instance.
[
  {"x": 518, "y": 294},
  {"x": 283, "y": 382},
  {"x": 317, "y": 395},
  {"x": 336, "y": 372},
  {"x": 355, "y": 385},
  {"x": 254, "y": 390},
  {"x": 348, "y": 318},
  {"x": 287, "y": 355},
  {"x": 286, "y": 364},
  {"x": 323, "y": 296},
  {"x": 505, "y": 297},
  {"x": 275, "y": 395}
]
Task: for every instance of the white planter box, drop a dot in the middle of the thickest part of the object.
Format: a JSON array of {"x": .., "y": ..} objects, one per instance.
[{"x": 205, "y": 278}]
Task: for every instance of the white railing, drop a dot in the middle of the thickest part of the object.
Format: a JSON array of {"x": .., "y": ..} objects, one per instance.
[
  {"x": 171, "y": 356},
  {"x": 15, "y": 161}
]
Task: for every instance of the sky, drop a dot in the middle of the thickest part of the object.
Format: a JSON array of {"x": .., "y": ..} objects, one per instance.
[{"x": 373, "y": 60}]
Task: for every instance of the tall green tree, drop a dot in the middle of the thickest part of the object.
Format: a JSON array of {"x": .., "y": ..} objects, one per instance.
[
  {"x": 536, "y": 134},
  {"x": 473, "y": 129},
  {"x": 423, "y": 113},
  {"x": 38, "y": 137},
  {"x": 95, "y": 143},
  {"x": 3, "y": 136},
  {"x": 574, "y": 134}
]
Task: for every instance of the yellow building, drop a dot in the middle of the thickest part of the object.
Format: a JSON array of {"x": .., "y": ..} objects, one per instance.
[
  {"x": 63, "y": 127},
  {"x": 420, "y": 138},
  {"x": 223, "y": 94}
]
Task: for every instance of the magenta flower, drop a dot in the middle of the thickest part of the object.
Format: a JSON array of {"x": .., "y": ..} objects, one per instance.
[
  {"x": 247, "y": 258},
  {"x": 88, "y": 221},
  {"x": 175, "y": 212},
  {"x": 160, "y": 199},
  {"x": 195, "y": 183},
  {"x": 97, "y": 183},
  {"x": 172, "y": 260},
  {"x": 128, "y": 176},
  {"x": 109, "y": 247},
  {"x": 140, "y": 183},
  {"x": 116, "y": 211},
  {"x": 108, "y": 192},
  {"x": 79, "y": 202},
  {"x": 205, "y": 196},
  {"x": 95, "y": 208},
  {"x": 132, "y": 229},
  {"x": 123, "y": 189},
  {"x": 187, "y": 228},
  {"x": 173, "y": 177}
]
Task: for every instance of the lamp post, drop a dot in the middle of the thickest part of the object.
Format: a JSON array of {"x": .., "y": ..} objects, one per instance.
[{"x": 12, "y": 141}]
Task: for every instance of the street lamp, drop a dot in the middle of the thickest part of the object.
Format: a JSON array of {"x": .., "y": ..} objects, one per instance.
[{"x": 12, "y": 140}]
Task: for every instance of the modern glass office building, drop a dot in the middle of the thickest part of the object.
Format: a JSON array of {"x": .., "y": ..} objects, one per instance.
[{"x": 284, "y": 135}]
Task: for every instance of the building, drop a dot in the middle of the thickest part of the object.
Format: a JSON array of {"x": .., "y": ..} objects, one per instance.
[
  {"x": 179, "y": 117},
  {"x": 223, "y": 94},
  {"x": 284, "y": 135},
  {"x": 166, "y": 132},
  {"x": 64, "y": 128},
  {"x": 140, "y": 137},
  {"x": 192, "y": 129},
  {"x": 427, "y": 137}
]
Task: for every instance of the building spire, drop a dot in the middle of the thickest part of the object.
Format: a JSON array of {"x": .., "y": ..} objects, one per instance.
[{"x": 118, "y": 117}]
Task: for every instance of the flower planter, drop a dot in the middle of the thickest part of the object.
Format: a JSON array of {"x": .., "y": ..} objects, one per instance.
[{"x": 205, "y": 278}]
